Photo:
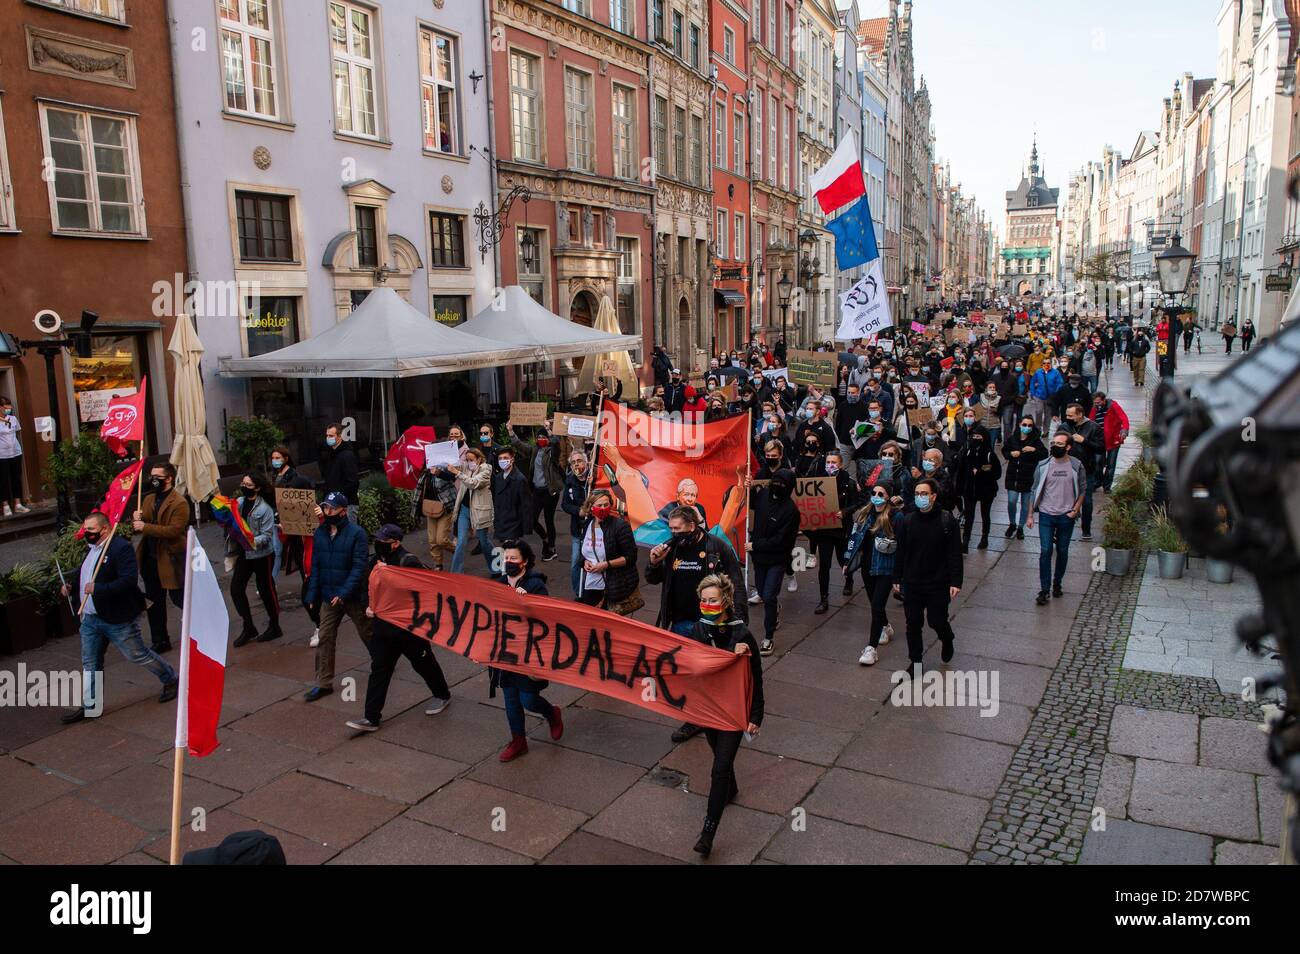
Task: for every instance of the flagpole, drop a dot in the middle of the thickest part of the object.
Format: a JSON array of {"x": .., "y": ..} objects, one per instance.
[
  {"x": 99, "y": 562},
  {"x": 182, "y": 700}
]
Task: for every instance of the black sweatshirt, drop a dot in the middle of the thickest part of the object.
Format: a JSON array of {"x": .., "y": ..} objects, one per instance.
[{"x": 929, "y": 550}]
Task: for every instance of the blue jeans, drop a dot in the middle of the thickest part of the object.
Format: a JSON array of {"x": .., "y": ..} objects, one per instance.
[
  {"x": 516, "y": 701},
  {"x": 277, "y": 548},
  {"x": 462, "y": 543},
  {"x": 1108, "y": 468},
  {"x": 95, "y": 637},
  {"x": 1091, "y": 381},
  {"x": 1018, "y": 502},
  {"x": 575, "y": 565},
  {"x": 1054, "y": 530},
  {"x": 768, "y": 581}
]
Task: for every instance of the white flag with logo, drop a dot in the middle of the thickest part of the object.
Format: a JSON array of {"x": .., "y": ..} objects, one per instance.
[{"x": 864, "y": 308}]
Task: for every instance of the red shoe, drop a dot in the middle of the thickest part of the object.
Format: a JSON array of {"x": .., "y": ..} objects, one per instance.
[
  {"x": 518, "y": 746},
  {"x": 557, "y": 723}
]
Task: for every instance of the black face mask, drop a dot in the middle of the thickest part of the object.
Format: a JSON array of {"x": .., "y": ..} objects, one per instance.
[
  {"x": 513, "y": 569},
  {"x": 248, "y": 492},
  {"x": 336, "y": 520},
  {"x": 91, "y": 537},
  {"x": 779, "y": 490},
  {"x": 383, "y": 548},
  {"x": 156, "y": 483},
  {"x": 681, "y": 537},
  {"x": 1058, "y": 450}
]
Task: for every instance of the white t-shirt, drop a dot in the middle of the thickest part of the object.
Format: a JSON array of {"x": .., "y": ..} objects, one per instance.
[
  {"x": 593, "y": 550},
  {"x": 10, "y": 445},
  {"x": 87, "y": 570}
]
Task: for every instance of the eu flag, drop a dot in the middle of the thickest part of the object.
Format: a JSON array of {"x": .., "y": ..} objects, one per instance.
[{"x": 855, "y": 236}]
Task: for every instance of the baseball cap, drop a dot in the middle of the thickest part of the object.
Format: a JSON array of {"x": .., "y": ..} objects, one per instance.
[
  {"x": 389, "y": 532},
  {"x": 336, "y": 499}
]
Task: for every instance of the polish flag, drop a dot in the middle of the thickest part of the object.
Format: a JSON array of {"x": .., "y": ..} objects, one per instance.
[
  {"x": 205, "y": 630},
  {"x": 840, "y": 181}
]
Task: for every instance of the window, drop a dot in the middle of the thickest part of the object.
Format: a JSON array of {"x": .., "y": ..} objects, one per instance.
[
  {"x": 6, "y": 186},
  {"x": 597, "y": 236},
  {"x": 582, "y": 7},
  {"x": 720, "y": 234},
  {"x": 439, "y": 101},
  {"x": 771, "y": 141},
  {"x": 575, "y": 225},
  {"x": 728, "y": 44},
  {"x": 620, "y": 15},
  {"x": 695, "y": 46},
  {"x": 738, "y": 143},
  {"x": 697, "y": 149},
  {"x": 661, "y": 134},
  {"x": 787, "y": 122},
  {"x": 96, "y": 182},
  {"x": 367, "y": 238},
  {"x": 248, "y": 56},
  {"x": 720, "y": 135},
  {"x": 628, "y": 314},
  {"x": 771, "y": 25},
  {"x": 577, "y": 119},
  {"x": 110, "y": 9},
  {"x": 264, "y": 228},
  {"x": 525, "y": 139},
  {"x": 784, "y": 30},
  {"x": 530, "y": 265},
  {"x": 757, "y": 20},
  {"x": 624, "y": 132},
  {"x": 447, "y": 245},
  {"x": 677, "y": 34},
  {"x": 352, "y": 47},
  {"x": 658, "y": 17},
  {"x": 679, "y": 143},
  {"x": 450, "y": 310},
  {"x": 739, "y": 251},
  {"x": 758, "y": 136}
]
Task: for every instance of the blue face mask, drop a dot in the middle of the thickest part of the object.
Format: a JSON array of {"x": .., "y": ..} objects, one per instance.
[
  {"x": 1025, "y": 431},
  {"x": 874, "y": 414},
  {"x": 276, "y": 463},
  {"x": 928, "y": 466},
  {"x": 922, "y": 501},
  {"x": 331, "y": 441}
]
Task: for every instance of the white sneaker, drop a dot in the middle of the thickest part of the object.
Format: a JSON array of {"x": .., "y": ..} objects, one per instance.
[
  {"x": 869, "y": 656},
  {"x": 754, "y": 598},
  {"x": 7, "y": 511},
  {"x": 811, "y": 563},
  {"x": 766, "y": 648},
  {"x": 886, "y": 634},
  {"x": 315, "y": 639},
  {"x": 437, "y": 705},
  {"x": 793, "y": 587},
  {"x": 21, "y": 509}
]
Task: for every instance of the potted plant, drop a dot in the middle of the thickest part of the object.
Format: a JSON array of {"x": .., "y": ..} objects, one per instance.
[
  {"x": 81, "y": 467},
  {"x": 68, "y": 553},
  {"x": 378, "y": 503},
  {"x": 1143, "y": 433},
  {"x": 20, "y": 599},
  {"x": 1120, "y": 536},
  {"x": 1171, "y": 550}
]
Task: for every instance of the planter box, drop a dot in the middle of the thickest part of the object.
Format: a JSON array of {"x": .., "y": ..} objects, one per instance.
[
  {"x": 60, "y": 621},
  {"x": 24, "y": 627}
]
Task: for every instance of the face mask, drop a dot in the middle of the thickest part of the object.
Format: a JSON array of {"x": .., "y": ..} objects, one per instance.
[
  {"x": 248, "y": 492},
  {"x": 779, "y": 490},
  {"x": 1058, "y": 450},
  {"x": 513, "y": 569},
  {"x": 773, "y": 461},
  {"x": 91, "y": 537},
  {"x": 337, "y": 520},
  {"x": 276, "y": 463},
  {"x": 931, "y": 438},
  {"x": 331, "y": 441},
  {"x": 928, "y": 466},
  {"x": 1019, "y": 368},
  {"x": 873, "y": 414},
  {"x": 682, "y": 537},
  {"x": 970, "y": 421},
  {"x": 878, "y": 502},
  {"x": 952, "y": 402},
  {"x": 832, "y": 469},
  {"x": 485, "y": 438},
  {"x": 1025, "y": 430},
  {"x": 156, "y": 483},
  {"x": 383, "y": 548},
  {"x": 6, "y": 411},
  {"x": 504, "y": 463},
  {"x": 922, "y": 501},
  {"x": 853, "y": 398},
  {"x": 543, "y": 442},
  {"x": 601, "y": 511},
  {"x": 710, "y": 611}
]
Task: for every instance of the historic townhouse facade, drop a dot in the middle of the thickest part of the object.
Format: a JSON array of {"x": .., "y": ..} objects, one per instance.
[
  {"x": 1030, "y": 236},
  {"x": 733, "y": 269},
  {"x": 815, "y": 42},
  {"x": 878, "y": 38},
  {"x": 850, "y": 123}
]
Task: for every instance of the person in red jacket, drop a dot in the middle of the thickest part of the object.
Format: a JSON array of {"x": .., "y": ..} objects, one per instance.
[
  {"x": 695, "y": 406},
  {"x": 1112, "y": 420}
]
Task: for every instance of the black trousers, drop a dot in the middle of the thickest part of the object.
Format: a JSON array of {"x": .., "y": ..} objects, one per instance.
[
  {"x": 11, "y": 479},
  {"x": 259, "y": 569},
  {"x": 922, "y": 604},
  {"x": 722, "y": 780},
  {"x": 544, "y": 507},
  {"x": 968, "y": 502},
  {"x": 829, "y": 543},
  {"x": 878, "y": 588},
  {"x": 389, "y": 644},
  {"x": 157, "y": 597}
]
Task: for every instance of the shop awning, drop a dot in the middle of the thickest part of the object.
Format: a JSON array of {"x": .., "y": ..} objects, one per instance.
[
  {"x": 384, "y": 338},
  {"x": 727, "y": 297},
  {"x": 515, "y": 318}
]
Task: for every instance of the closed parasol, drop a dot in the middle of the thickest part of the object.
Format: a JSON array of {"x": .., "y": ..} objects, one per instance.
[{"x": 196, "y": 466}]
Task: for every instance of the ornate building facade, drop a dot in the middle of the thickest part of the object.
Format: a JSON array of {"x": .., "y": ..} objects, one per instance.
[{"x": 1029, "y": 260}]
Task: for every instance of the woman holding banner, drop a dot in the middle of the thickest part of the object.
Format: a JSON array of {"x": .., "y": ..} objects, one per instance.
[
  {"x": 607, "y": 553},
  {"x": 720, "y": 628}
]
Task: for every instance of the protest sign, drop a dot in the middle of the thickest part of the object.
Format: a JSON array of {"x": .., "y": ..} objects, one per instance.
[
  {"x": 527, "y": 414},
  {"x": 921, "y": 389},
  {"x": 811, "y": 367},
  {"x": 297, "y": 511},
  {"x": 574, "y": 425},
  {"x": 558, "y": 640},
  {"x": 441, "y": 454},
  {"x": 919, "y": 416},
  {"x": 818, "y": 501}
]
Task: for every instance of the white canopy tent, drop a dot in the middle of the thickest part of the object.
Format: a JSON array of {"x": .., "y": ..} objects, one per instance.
[
  {"x": 514, "y": 318},
  {"x": 384, "y": 338}
]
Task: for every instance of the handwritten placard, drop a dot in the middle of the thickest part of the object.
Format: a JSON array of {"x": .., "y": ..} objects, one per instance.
[
  {"x": 574, "y": 425},
  {"x": 297, "y": 510},
  {"x": 527, "y": 414},
  {"x": 818, "y": 501},
  {"x": 811, "y": 367}
]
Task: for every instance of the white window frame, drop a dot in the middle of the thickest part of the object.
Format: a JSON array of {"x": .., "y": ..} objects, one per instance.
[
  {"x": 787, "y": 120},
  {"x": 738, "y": 252},
  {"x": 356, "y": 66},
  {"x": 7, "y": 220},
  {"x": 774, "y": 107},
  {"x": 625, "y": 165},
  {"x": 247, "y": 34},
  {"x": 533, "y": 96},
  {"x": 580, "y": 7},
  {"x": 117, "y": 8},
  {"x": 132, "y": 164},
  {"x": 738, "y": 143},
  {"x": 720, "y": 135},
  {"x": 696, "y": 144},
  {"x": 728, "y": 43},
  {"x": 622, "y": 16},
  {"x": 758, "y": 140},
  {"x": 721, "y": 235},
  {"x": 587, "y": 161},
  {"x": 432, "y": 83}
]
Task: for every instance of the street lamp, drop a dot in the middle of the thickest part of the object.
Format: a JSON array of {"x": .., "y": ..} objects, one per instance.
[
  {"x": 528, "y": 248},
  {"x": 783, "y": 289},
  {"x": 1174, "y": 268}
]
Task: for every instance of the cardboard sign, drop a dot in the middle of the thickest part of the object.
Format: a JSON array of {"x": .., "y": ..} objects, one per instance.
[
  {"x": 921, "y": 389},
  {"x": 93, "y": 405},
  {"x": 441, "y": 454},
  {"x": 920, "y": 416},
  {"x": 297, "y": 510},
  {"x": 811, "y": 367},
  {"x": 1019, "y": 329},
  {"x": 818, "y": 501},
  {"x": 574, "y": 425},
  {"x": 527, "y": 414},
  {"x": 609, "y": 369},
  {"x": 886, "y": 345}
]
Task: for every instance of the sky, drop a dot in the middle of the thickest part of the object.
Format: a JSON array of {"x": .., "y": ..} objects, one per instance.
[{"x": 1081, "y": 74}]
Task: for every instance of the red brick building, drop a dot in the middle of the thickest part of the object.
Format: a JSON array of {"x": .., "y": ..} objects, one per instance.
[
  {"x": 572, "y": 125},
  {"x": 90, "y": 207},
  {"x": 733, "y": 255}
]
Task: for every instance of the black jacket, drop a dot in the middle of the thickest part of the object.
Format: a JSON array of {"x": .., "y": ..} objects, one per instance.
[
  {"x": 116, "y": 594},
  {"x": 1093, "y": 444},
  {"x": 776, "y": 524},
  {"x": 1071, "y": 394},
  {"x": 620, "y": 581},
  {"x": 674, "y": 396},
  {"x": 512, "y": 501},
  {"x": 970, "y": 477},
  {"x": 718, "y": 558},
  {"x": 572, "y": 498},
  {"x": 398, "y": 556},
  {"x": 727, "y": 636},
  {"x": 929, "y": 550},
  {"x": 1020, "y": 470},
  {"x": 339, "y": 470},
  {"x": 535, "y": 584}
]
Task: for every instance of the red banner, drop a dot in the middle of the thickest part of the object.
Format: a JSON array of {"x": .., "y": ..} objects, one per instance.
[
  {"x": 118, "y": 494},
  {"x": 124, "y": 420},
  {"x": 570, "y": 643},
  {"x": 645, "y": 459},
  {"x": 405, "y": 458}
]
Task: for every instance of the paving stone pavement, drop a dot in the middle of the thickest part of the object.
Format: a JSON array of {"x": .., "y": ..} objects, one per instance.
[{"x": 839, "y": 774}]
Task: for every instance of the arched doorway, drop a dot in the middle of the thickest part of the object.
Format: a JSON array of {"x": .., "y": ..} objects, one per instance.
[
  {"x": 684, "y": 354},
  {"x": 1025, "y": 287},
  {"x": 584, "y": 308}
]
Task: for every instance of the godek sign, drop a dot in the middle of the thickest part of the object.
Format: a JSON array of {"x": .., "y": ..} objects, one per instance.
[{"x": 570, "y": 643}]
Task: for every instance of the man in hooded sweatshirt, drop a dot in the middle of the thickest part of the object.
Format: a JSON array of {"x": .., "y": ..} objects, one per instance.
[
  {"x": 771, "y": 543},
  {"x": 927, "y": 570}
]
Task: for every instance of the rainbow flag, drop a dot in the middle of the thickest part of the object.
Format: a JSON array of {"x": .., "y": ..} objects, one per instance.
[{"x": 226, "y": 513}]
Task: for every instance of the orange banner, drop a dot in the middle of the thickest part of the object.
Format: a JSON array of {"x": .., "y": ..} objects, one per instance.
[
  {"x": 651, "y": 463},
  {"x": 578, "y": 645}
]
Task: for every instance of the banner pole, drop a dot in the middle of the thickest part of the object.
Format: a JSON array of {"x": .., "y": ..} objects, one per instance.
[
  {"x": 749, "y": 468},
  {"x": 182, "y": 700},
  {"x": 99, "y": 561}
]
